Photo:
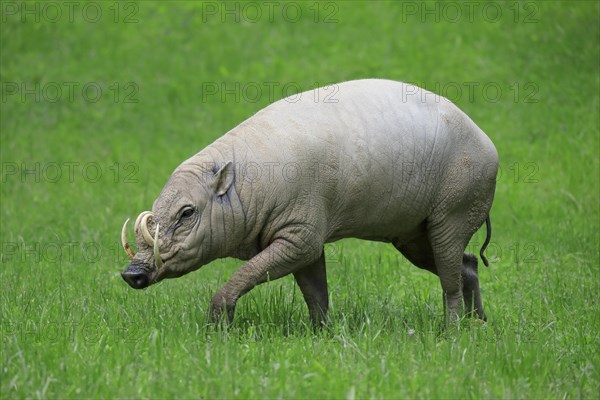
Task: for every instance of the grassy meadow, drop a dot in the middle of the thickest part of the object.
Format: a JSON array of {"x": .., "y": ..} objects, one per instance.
[{"x": 100, "y": 101}]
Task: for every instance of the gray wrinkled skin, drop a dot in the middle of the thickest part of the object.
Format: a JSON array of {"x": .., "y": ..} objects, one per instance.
[{"x": 379, "y": 160}]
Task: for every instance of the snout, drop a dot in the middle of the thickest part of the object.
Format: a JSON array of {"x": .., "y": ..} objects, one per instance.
[{"x": 137, "y": 279}]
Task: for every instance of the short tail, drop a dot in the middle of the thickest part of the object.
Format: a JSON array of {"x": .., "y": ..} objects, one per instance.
[{"x": 488, "y": 235}]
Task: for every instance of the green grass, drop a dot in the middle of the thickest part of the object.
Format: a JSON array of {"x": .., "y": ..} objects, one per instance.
[{"x": 71, "y": 328}]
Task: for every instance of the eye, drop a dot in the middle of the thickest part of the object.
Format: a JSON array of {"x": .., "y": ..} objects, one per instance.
[{"x": 188, "y": 212}]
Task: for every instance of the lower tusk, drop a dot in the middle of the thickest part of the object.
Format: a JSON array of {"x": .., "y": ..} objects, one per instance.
[
  {"x": 126, "y": 246},
  {"x": 157, "y": 260}
]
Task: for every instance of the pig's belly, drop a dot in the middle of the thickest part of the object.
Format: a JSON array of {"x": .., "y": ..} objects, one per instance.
[{"x": 391, "y": 226}]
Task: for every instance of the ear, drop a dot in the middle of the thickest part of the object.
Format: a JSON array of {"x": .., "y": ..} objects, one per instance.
[{"x": 222, "y": 179}]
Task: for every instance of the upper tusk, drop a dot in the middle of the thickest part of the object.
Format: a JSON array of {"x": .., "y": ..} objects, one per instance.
[
  {"x": 138, "y": 220},
  {"x": 157, "y": 260},
  {"x": 124, "y": 242},
  {"x": 144, "y": 228}
]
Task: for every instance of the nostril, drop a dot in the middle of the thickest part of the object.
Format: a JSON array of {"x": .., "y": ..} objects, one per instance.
[
  {"x": 137, "y": 280},
  {"x": 141, "y": 281}
]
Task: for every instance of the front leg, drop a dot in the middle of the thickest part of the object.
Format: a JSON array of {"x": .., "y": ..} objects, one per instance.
[{"x": 282, "y": 257}]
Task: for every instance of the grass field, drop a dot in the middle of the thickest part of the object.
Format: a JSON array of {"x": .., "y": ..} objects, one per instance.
[{"x": 102, "y": 100}]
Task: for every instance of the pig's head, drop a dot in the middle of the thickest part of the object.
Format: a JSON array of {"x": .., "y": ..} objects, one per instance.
[{"x": 185, "y": 228}]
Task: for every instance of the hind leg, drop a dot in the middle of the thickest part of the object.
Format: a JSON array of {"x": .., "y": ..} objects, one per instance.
[
  {"x": 441, "y": 262},
  {"x": 420, "y": 253},
  {"x": 449, "y": 234}
]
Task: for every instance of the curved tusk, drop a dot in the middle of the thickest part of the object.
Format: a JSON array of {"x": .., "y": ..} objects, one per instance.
[
  {"x": 144, "y": 228},
  {"x": 157, "y": 260},
  {"x": 126, "y": 247},
  {"x": 139, "y": 219}
]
